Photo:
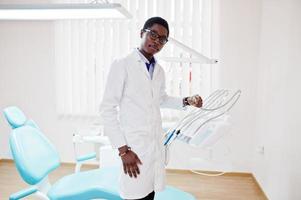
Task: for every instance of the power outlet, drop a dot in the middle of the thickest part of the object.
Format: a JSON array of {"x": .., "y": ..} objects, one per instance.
[{"x": 260, "y": 149}]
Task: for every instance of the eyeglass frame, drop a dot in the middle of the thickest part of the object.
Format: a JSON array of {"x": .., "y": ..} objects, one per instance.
[{"x": 156, "y": 36}]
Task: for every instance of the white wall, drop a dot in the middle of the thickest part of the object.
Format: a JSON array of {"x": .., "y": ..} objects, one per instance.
[
  {"x": 26, "y": 71},
  {"x": 278, "y": 109},
  {"x": 27, "y": 80},
  {"x": 239, "y": 45}
]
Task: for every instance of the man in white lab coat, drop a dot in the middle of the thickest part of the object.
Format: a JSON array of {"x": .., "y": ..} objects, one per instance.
[{"x": 135, "y": 91}]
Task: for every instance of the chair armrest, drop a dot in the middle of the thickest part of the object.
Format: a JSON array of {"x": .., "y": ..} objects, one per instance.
[
  {"x": 23, "y": 193},
  {"x": 86, "y": 157},
  {"x": 80, "y": 160}
]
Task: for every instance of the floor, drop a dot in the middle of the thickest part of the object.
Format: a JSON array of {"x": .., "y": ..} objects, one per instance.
[{"x": 235, "y": 186}]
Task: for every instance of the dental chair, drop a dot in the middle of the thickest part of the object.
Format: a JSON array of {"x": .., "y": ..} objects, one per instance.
[{"x": 35, "y": 157}]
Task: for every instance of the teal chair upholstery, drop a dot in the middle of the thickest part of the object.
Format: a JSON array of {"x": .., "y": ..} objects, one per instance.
[{"x": 35, "y": 157}]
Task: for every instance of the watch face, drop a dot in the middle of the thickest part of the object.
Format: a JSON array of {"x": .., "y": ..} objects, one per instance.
[{"x": 185, "y": 101}]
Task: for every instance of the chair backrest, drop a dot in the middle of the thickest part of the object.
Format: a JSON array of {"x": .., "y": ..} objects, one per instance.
[
  {"x": 14, "y": 116},
  {"x": 35, "y": 157}
]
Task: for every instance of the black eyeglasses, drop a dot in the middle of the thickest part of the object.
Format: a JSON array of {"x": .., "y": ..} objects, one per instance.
[{"x": 153, "y": 35}]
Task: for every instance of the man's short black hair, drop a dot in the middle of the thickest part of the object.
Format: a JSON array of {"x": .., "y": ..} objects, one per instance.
[{"x": 156, "y": 20}]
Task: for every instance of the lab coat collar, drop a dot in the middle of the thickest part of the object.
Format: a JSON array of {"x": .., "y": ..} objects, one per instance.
[{"x": 142, "y": 60}]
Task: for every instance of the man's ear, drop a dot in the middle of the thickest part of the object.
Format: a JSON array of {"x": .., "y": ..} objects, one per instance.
[{"x": 141, "y": 33}]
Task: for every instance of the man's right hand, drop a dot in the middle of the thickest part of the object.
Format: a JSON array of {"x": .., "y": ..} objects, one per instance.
[{"x": 130, "y": 161}]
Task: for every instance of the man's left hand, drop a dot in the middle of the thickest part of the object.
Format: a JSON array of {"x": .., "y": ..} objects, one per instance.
[{"x": 195, "y": 101}]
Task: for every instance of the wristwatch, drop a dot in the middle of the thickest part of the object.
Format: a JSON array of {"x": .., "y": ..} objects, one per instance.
[
  {"x": 185, "y": 102},
  {"x": 125, "y": 152}
]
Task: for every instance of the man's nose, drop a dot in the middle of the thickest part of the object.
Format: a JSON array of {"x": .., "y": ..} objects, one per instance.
[{"x": 157, "y": 41}]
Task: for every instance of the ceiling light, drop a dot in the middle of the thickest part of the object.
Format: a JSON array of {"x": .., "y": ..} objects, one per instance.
[{"x": 63, "y": 11}]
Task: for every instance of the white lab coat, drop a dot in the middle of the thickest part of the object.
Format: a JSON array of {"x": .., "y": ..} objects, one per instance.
[{"x": 130, "y": 111}]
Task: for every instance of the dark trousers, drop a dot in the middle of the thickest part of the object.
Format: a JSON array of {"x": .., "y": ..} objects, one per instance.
[{"x": 150, "y": 196}]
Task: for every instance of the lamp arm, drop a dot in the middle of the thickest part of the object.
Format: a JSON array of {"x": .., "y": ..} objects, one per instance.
[{"x": 200, "y": 56}]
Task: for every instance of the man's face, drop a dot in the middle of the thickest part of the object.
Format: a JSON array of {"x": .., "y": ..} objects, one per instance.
[{"x": 153, "y": 39}]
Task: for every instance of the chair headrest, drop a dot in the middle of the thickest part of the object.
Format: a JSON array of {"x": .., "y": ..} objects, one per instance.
[{"x": 14, "y": 116}]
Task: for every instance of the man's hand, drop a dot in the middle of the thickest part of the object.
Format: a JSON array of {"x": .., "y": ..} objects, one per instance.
[
  {"x": 130, "y": 161},
  {"x": 195, "y": 100}
]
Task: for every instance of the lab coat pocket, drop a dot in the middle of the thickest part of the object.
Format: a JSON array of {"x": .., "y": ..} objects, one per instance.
[{"x": 139, "y": 141}]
